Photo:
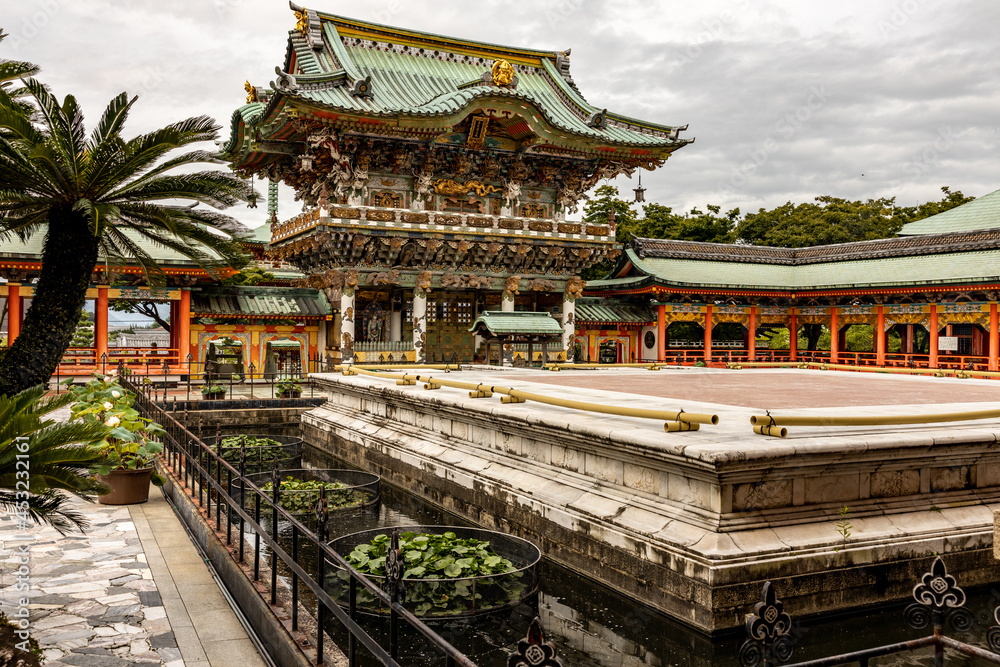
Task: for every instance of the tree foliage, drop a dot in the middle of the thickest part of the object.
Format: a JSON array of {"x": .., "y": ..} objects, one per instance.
[
  {"x": 825, "y": 221},
  {"x": 101, "y": 196}
]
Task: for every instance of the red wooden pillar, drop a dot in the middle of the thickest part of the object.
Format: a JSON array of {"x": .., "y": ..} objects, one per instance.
[
  {"x": 834, "y": 336},
  {"x": 661, "y": 333},
  {"x": 174, "y": 338},
  {"x": 880, "y": 337},
  {"x": 994, "y": 338},
  {"x": 184, "y": 327},
  {"x": 793, "y": 336},
  {"x": 13, "y": 312},
  {"x": 101, "y": 325},
  {"x": 908, "y": 339},
  {"x": 752, "y": 334},
  {"x": 933, "y": 361},
  {"x": 708, "y": 334}
]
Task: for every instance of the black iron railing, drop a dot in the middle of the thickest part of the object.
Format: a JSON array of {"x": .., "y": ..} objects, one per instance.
[
  {"x": 230, "y": 497},
  {"x": 938, "y": 600}
]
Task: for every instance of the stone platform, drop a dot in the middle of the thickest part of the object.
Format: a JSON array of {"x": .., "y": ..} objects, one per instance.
[{"x": 694, "y": 523}]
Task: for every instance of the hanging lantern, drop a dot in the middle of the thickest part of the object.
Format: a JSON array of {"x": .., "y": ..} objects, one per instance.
[
  {"x": 640, "y": 192},
  {"x": 252, "y": 198}
]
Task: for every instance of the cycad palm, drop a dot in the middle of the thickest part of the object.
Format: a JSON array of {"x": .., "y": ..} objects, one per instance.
[
  {"x": 97, "y": 197},
  {"x": 11, "y": 73},
  {"x": 51, "y": 456}
]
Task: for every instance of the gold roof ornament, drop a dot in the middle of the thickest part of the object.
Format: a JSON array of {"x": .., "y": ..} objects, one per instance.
[
  {"x": 302, "y": 21},
  {"x": 503, "y": 73},
  {"x": 251, "y": 92}
]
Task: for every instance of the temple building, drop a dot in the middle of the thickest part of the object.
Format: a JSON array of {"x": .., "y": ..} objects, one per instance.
[
  {"x": 933, "y": 289},
  {"x": 436, "y": 176}
]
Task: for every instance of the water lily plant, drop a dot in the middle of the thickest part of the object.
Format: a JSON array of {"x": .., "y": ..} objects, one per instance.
[{"x": 130, "y": 444}]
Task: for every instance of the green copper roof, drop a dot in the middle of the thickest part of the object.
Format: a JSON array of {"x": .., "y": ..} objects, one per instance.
[
  {"x": 982, "y": 213},
  {"x": 500, "y": 323},
  {"x": 261, "y": 301},
  {"x": 958, "y": 267},
  {"x": 600, "y": 311},
  {"x": 33, "y": 247},
  {"x": 416, "y": 76}
]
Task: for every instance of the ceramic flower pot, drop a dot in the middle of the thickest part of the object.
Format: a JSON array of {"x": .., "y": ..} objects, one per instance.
[{"x": 128, "y": 487}]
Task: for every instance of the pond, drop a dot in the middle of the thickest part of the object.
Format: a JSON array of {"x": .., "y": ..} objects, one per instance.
[{"x": 594, "y": 626}]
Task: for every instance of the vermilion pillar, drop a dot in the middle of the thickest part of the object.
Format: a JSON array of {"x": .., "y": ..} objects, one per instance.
[
  {"x": 994, "y": 338},
  {"x": 661, "y": 333},
  {"x": 933, "y": 362},
  {"x": 101, "y": 324},
  {"x": 834, "y": 336},
  {"x": 708, "y": 334},
  {"x": 175, "y": 341},
  {"x": 793, "y": 336},
  {"x": 184, "y": 327},
  {"x": 752, "y": 334},
  {"x": 13, "y": 312},
  {"x": 880, "y": 337}
]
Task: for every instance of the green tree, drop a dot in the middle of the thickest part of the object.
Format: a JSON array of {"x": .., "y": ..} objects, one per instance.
[
  {"x": 83, "y": 335},
  {"x": 249, "y": 276},
  {"x": 829, "y": 220},
  {"x": 101, "y": 195},
  {"x": 598, "y": 211},
  {"x": 57, "y": 457},
  {"x": 660, "y": 222},
  {"x": 948, "y": 201}
]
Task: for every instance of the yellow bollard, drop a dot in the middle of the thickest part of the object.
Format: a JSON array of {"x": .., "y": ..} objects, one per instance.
[{"x": 767, "y": 429}]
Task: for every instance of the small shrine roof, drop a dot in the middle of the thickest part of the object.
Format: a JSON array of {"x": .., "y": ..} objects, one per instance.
[
  {"x": 280, "y": 302},
  {"x": 982, "y": 213},
  {"x": 517, "y": 323}
]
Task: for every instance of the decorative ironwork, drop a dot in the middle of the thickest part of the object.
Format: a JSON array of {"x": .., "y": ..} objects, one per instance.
[
  {"x": 767, "y": 628},
  {"x": 321, "y": 510},
  {"x": 993, "y": 634},
  {"x": 394, "y": 567},
  {"x": 938, "y": 598},
  {"x": 533, "y": 650}
]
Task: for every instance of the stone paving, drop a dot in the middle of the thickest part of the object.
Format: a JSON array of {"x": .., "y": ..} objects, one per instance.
[{"x": 93, "y": 598}]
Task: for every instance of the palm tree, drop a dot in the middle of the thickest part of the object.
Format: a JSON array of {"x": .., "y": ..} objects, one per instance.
[
  {"x": 11, "y": 73},
  {"x": 100, "y": 197},
  {"x": 39, "y": 456}
]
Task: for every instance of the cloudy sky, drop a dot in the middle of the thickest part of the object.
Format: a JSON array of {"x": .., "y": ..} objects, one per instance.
[{"x": 788, "y": 99}]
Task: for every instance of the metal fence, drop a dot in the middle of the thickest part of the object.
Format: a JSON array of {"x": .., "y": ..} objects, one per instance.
[
  {"x": 236, "y": 504},
  {"x": 938, "y": 600}
]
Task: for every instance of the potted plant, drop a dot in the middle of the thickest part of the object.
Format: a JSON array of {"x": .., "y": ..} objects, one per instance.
[
  {"x": 213, "y": 391},
  {"x": 290, "y": 388},
  {"x": 129, "y": 449}
]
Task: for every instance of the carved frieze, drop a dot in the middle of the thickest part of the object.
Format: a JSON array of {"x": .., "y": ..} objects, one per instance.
[{"x": 569, "y": 228}]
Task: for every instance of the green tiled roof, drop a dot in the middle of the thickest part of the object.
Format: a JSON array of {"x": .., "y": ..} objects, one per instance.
[
  {"x": 982, "y": 213},
  {"x": 261, "y": 235},
  {"x": 601, "y": 311},
  {"x": 956, "y": 267},
  {"x": 417, "y": 75},
  {"x": 261, "y": 302},
  {"x": 500, "y": 323},
  {"x": 32, "y": 249}
]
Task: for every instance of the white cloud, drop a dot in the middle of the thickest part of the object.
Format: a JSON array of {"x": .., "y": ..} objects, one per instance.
[{"x": 898, "y": 74}]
